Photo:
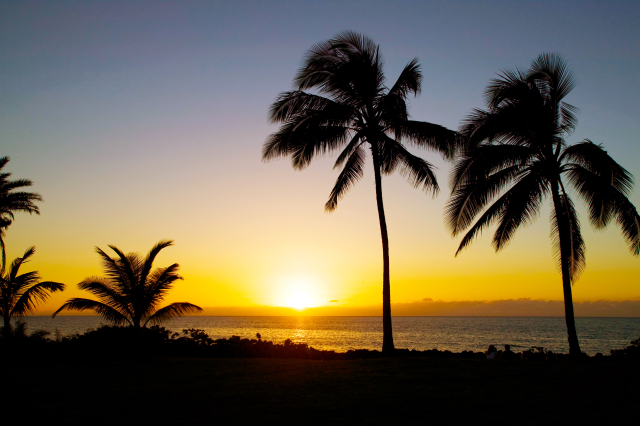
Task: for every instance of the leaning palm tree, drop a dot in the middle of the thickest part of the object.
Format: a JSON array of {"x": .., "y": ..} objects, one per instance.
[
  {"x": 12, "y": 201},
  {"x": 131, "y": 291},
  {"x": 517, "y": 156},
  {"x": 357, "y": 113},
  {"x": 21, "y": 294}
]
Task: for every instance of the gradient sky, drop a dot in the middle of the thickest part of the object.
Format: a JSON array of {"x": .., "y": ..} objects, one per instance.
[{"x": 139, "y": 121}]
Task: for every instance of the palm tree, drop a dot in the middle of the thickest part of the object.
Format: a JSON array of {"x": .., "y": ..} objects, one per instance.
[
  {"x": 131, "y": 291},
  {"x": 357, "y": 114},
  {"x": 21, "y": 294},
  {"x": 12, "y": 201},
  {"x": 517, "y": 155}
]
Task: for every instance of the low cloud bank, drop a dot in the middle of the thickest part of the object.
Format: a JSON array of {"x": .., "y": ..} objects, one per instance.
[{"x": 428, "y": 307}]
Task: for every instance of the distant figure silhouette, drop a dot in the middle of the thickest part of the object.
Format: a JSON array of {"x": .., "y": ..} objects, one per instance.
[
  {"x": 508, "y": 353},
  {"x": 491, "y": 352}
]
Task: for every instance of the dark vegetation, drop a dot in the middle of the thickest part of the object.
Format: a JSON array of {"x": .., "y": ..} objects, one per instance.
[
  {"x": 128, "y": 343},
  {"x": 105, "y": 389}
]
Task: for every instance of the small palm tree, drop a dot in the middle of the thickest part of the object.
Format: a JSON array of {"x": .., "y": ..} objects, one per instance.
[
  {"x": 357, "y": 114},
  {"x": 21, "y": 294},
  {"x": 517, "y": 156},
  {"x": 12, "y": 201},
  {"x": 131, "y": 291}
]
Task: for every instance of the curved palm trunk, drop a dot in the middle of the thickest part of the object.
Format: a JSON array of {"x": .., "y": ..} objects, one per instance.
[
  {"x": 565, "y": 254},
  {"x": 387, "y": 332}
]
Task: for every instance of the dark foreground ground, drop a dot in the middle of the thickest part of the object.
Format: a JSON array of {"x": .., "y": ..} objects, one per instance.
[{"x": 185, "y": 391}]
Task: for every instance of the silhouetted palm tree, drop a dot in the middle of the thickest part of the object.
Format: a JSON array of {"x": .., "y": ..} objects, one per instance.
[
  {"x": 20, "y": 294},
  {"x": 12, "y": 201},
  {"x": 131, "y": 291},
  {"x": 517, "y": 155},
  {"x": 357, "y": 113}
]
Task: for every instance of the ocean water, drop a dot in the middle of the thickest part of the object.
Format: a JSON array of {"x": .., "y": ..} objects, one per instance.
[{"x": 421, "y": 333}]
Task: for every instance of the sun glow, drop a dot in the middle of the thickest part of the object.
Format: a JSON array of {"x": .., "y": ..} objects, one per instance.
[{"x": 300, "y": 300}]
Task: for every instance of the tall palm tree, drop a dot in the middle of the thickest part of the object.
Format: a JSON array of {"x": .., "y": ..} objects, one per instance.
[
  {"x": 21, "y": 294},
  {"x": 131, "y": 291},
  {"x": 12, "y": 201},
  {"x": 517, "y": 156},
  {"x": 357, "y": 113}
]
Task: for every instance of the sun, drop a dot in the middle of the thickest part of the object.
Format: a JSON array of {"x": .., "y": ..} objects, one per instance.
[{"x": 299, "y": 300}]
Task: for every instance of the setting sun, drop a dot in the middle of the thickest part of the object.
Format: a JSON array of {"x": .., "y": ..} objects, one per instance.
[{"x": 300, "y": 300}]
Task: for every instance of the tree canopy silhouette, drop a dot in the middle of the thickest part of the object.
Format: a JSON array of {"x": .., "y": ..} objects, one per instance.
[
  {"x": 354, "y": 112},
  {"x": 131, "y": 291},
  {"x": 21, "y": 294},
  {"x": 517, "y": 155},
  {"x": 12, "y": 201}
]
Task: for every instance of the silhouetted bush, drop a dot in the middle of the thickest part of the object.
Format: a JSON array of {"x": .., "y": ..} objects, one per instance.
[
  {"x": 146, "y": 343},
  {"x": 631, "y": 352}
]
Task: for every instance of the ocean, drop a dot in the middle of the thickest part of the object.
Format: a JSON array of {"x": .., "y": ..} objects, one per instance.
[{"x": 421, "y": 333}]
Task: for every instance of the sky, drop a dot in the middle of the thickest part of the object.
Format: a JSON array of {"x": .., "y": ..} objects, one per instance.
[{"x": 141, "y": 121}]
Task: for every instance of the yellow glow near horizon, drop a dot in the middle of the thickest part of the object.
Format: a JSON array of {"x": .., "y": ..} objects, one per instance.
[{"x": 300, "y": 300}]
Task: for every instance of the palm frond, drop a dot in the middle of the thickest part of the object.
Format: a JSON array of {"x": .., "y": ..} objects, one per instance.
[
  {"x": 24, "y": 281},
  {"x": 515, "y": 208},
  {"x": 105, "y": 311},
  {"x": 151, "y": 256},
  {"x": 409, "y": 81},
  {"x": 159, "y": 283},
  {"x": 317, "y": 143},
  {"x": 431, "y": 136},
  {"x": 294, "y": 104},
  {"x": 356, "y": 141},
  {"x": 511, "y": 123},
  {"x": 173, "y": 310},
  {"x": 480, "y": 163},
  {"x": 113, "y": 269},
  {"x": 552, "y": 69},
  {"x": 510, "y": 84},
  {"x": 569, "y": 117},
  {"x": 125, "y": 265},
  {"x": 108, "y": 293},
  {"x": 596, "y": 160},
  {"x": 347, "y": 67},
  {"x": 18, "y": 262},
  {"x": 310, "y": 135},
  {"x": 418, "y": 172},
  {"x": 472, "y": 196},
  {"x": 522, "y": 208},
  {"x": 351, "y": 173},
  {"x": 627, "y": 217},
  {"x": 35, "y": 295}
]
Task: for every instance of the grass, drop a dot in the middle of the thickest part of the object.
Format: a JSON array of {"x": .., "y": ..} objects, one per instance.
[{"x": 186, "y": 391}]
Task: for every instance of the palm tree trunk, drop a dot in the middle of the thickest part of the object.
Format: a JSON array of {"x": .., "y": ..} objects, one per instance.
[
  {"x": 387, "y": 332},
  {"x": 6, "y": 331},
  {"x": 565, "y": 253}
]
